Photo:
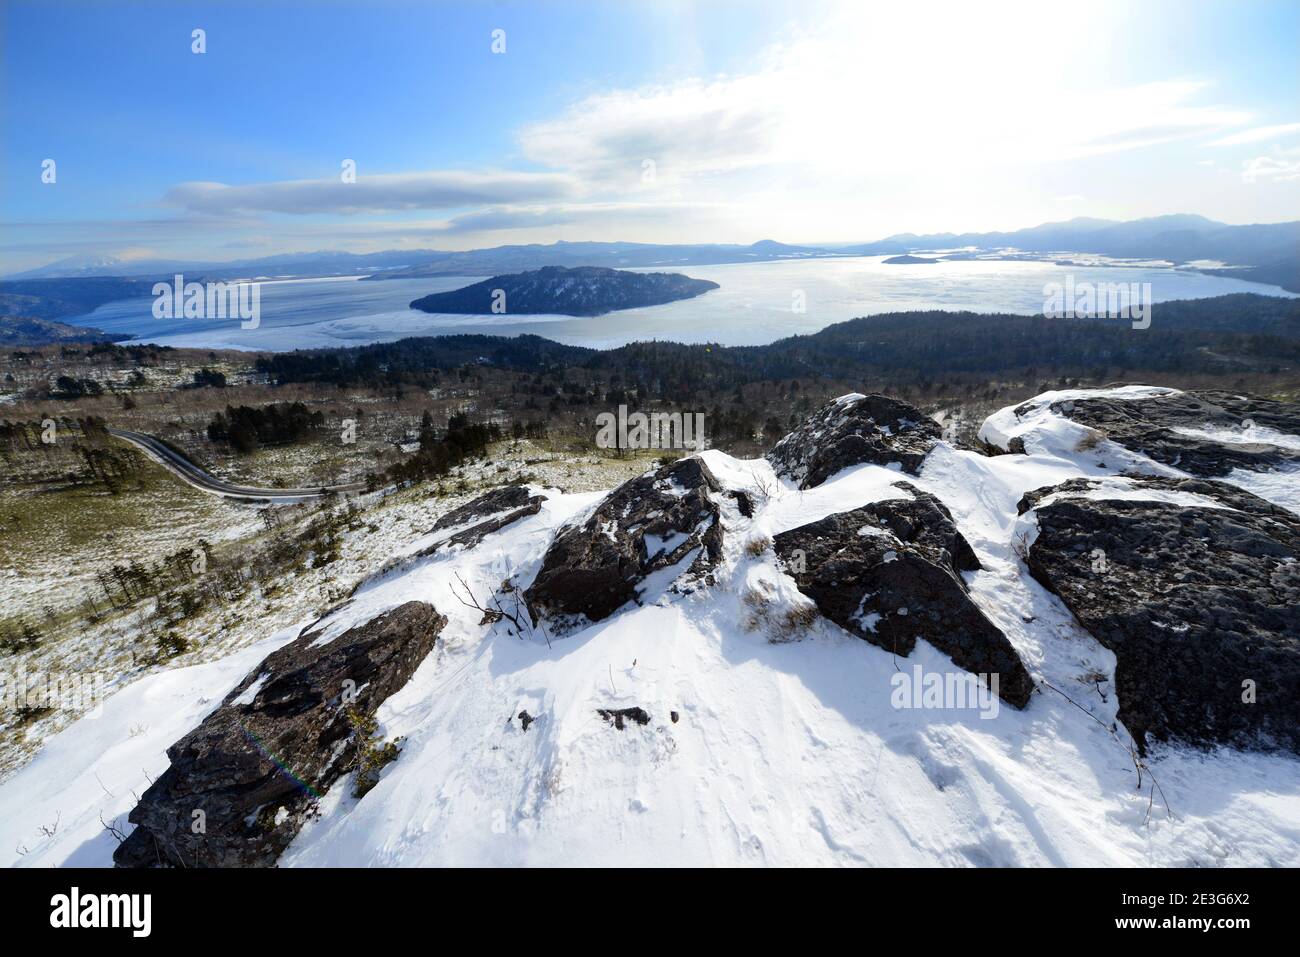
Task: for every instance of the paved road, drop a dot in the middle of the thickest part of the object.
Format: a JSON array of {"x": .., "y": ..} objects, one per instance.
[{"x": 187, "y": 471}]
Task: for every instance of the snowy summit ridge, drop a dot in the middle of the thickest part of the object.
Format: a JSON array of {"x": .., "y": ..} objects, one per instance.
[{"x": 755, "y": 662}]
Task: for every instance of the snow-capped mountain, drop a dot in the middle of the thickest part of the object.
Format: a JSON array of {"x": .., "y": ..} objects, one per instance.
[{"x": 78, "y": 267}]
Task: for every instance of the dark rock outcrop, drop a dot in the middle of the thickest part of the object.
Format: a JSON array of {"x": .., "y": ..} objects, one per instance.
[
  {"x": 618, "y": 716},
  {"x": 890, "y": 573},
  {"x": 1147, "y": 426},
  {"x": 649, "y": 523},
  {"x": 744, "y": 503},
  {"x": 1199, "y": 604},
  {"x": 559, "y": 290},
  {"x": 496, "y": 510},
  {"x": 493, "y": 512},
  {"x": 851, "y": 431},
  {"x": 504, "y": 499},
  {"x": 246, "y": 777}
]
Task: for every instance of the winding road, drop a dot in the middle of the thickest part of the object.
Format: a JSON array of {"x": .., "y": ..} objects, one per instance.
[{"x": 188, "y": 472}]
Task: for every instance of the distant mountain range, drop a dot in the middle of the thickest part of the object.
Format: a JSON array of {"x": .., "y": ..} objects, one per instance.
[
  {"x": 559, "y": 290},
  {"x": 1267, "y": 252},
  {"x": 1178, "y": 239},
  {"x": 410, "y": 263},
  {"x": 319, "y": 263},
  {"x": 503, "y": 259}
]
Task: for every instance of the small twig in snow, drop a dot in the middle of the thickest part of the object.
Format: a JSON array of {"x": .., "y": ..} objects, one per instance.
[{"x": 1138, "y": 764}]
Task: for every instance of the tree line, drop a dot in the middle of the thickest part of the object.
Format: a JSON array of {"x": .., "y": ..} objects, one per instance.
[
  {"x": 247, "y": 428},
  {"x": 1204, "y": 336}
]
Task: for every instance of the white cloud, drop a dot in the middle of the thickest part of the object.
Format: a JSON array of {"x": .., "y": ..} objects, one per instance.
[
  {"x": 380, "y": 193},
  {"x": 578, "y": 214},
  {"x": 877, "y": 92},
  {"x": 1282, "y": 166},
  {"x": 1256, "y": 135},
  {"x": 658, "y": 135}
]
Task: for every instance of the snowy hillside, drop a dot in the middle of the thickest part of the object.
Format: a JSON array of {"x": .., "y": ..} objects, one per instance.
[{"x": 771, "y": 735}]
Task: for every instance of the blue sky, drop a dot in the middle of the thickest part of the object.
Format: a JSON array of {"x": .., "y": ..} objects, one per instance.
[{"x": 655, "y": 121}]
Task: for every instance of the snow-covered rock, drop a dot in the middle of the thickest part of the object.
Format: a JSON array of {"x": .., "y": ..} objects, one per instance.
[
  {"x": 1244, "y": 440},
  {"x": 890, "y": 573},
  {"x": 1195, "y": 586},
  {"x": 646, "y": 532},
  {"x": 241, "y": 784},
  {"x": 851, "y": 430}
]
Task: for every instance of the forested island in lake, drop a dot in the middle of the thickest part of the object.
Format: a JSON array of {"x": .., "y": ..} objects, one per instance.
[{"x": 558, "y": 290}]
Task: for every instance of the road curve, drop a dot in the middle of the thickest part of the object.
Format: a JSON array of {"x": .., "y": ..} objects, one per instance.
[{"x": 188, "y": 472}]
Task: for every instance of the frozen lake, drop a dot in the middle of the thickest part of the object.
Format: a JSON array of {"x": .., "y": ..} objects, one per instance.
[{"x": 757, "y": 303}]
